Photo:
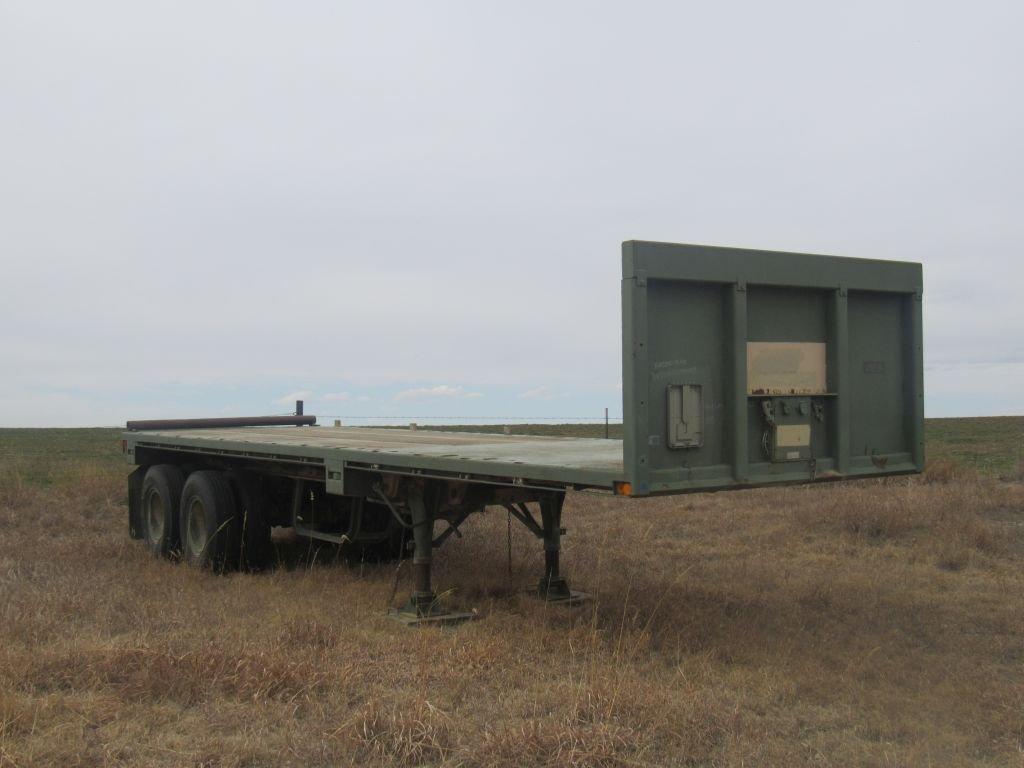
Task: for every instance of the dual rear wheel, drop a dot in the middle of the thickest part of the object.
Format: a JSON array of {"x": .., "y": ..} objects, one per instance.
[{"x": 214, "y": 519}]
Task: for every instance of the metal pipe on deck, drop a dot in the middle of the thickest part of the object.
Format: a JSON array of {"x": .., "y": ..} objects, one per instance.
[{"x": 228, "y": 421}]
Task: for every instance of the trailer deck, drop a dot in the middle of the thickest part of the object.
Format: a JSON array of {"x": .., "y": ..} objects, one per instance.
[{"x": 516, "y": 459}]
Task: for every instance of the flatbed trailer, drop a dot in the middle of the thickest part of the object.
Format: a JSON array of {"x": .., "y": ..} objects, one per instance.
[{"x": 740, "y": 369}]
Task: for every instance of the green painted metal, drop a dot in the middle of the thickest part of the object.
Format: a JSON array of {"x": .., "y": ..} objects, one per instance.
[{"x": 689, "y": 313}]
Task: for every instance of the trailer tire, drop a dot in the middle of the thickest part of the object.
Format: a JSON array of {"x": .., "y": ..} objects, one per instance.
[
  {"x": 255, "y": 549},
  {"x": 161, "y": 495},
  {"x": 209, "y": 523}
]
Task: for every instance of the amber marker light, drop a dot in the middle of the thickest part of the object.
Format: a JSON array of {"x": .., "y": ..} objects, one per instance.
[{"x": 623, "y": 489}]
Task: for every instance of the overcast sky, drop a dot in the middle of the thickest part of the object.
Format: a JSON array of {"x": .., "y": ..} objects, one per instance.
[{"x": 416, "y": 208}]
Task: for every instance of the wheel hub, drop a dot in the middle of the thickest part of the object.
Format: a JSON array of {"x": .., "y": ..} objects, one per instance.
[
  {"x": 155, "y": 516},
  {"x": 196, "y": 533}
]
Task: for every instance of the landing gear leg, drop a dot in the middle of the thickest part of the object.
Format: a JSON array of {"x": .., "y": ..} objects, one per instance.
[
  {"x": 553, "y": 587},
  {"x": 423, "y": 601},
  {"x": 422, "y": 606}
]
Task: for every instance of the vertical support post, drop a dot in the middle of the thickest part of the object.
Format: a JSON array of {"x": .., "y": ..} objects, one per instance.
[
  {"x": 298, "y": 408},
  {"x": 423, "y": 601},
  {"x": 915, "y": 366},
  {"x": 839, "y": 376},
  {"x": 553, "y": 586},
  {"x": 635, "y": 372},
  {"x": 605, "y": 423},
  {"x": 737, "y": 394}
]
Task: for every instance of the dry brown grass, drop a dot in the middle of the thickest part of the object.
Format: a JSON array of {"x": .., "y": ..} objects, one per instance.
[{"x": 879, "y": 623}]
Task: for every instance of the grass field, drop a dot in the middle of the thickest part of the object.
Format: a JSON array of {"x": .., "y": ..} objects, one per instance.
[{"x": 868, "y": 624}]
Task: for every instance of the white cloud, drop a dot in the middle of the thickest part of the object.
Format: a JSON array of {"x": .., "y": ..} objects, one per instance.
[
  {"x": 441, "y": 390},
  {"x": 335, "y": 397},
  {"x": 291, "y": 397},
  {"x": 542, "y": 392}
]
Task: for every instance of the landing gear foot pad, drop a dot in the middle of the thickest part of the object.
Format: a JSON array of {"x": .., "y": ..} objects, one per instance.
[{"x": 432, "y": 619}]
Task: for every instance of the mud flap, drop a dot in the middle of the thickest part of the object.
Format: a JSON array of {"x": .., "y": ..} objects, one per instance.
[{"x": 135, "y": 530}]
